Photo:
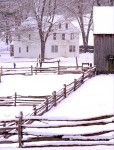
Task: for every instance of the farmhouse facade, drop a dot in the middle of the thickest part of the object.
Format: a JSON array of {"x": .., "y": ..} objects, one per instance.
[
  {"x": 63, "y": 41},
  {"x": 104, "y": 39}
]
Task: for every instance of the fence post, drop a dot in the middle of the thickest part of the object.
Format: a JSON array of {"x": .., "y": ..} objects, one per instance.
[
  {"x": 54, "y": 98},
  {"x": 31, "y": 70},
  {"x": 46, "y": 104},
  {"x": 90, "y": 73},
  {"x": 82, "y": 80},
  {"x": 95, "y": 70},
  {"x": 76, "y": 62},
  {"x": 34, "y": 109},
  {"x": 64, "y": 90},
  {"x": 1, "y": 71},
  {"x": 4, "y": 125},
  {"x": 58, "y": 66},
  {"x": 90, "y": 64},
  {"x": 37, "y": 63},
  {"x": 20, "y": 130},
  {"x": 75, "y": 84},
  {"x": 15, "y": 99}
]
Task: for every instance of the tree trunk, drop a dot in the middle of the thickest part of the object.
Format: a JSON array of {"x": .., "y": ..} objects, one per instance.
[
  {"x": 111, "y": 2},
  {"x": 85, "y": 42},
  {"x": 84, "y": 37},
  {"x": 81, "y": 24},
  {"x": 42, "y": 50}
]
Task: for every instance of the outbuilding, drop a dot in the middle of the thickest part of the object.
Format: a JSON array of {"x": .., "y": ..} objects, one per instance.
[{"x": 103, "y": 18}]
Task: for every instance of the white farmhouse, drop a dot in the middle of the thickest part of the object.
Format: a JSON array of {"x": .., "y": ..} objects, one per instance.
[{"x": 63, "y": 41}]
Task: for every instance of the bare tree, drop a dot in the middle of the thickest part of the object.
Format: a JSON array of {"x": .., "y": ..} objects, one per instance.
[
  {"x": 82, "y": 11},
  {"x": 98, "y": 2},
  {"x": 44, "y": 12},
  {"x": 11, "y": 12},
  {"x": 6, "y": 18},
  {"x": 85, "y": 20}
]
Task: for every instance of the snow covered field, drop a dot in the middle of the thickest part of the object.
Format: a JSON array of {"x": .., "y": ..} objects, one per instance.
[{"x": 94, "y": 98}]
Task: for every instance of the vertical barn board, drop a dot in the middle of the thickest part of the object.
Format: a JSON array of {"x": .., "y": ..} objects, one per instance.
[
  {"x": 0, "y": 76},
  {"x": 112, "y": 43},
  {"x": 103, "y": 46},
  {"x": 98, "y": 51}
]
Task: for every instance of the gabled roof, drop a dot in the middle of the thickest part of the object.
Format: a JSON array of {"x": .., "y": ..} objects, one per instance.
[{"x": 31, "y": 23}]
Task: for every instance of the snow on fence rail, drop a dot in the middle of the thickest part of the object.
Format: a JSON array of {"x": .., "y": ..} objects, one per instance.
[
  {"x": 19, "y": 100},
  {"x": 57, "y": 97},
  {"x": 46, "y": 130},
  {"x": 46, "y": 103},
  {"x": 34, "y": 70}
]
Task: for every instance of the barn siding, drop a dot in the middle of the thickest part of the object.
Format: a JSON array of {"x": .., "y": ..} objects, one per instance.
[{"x": 103, "y": 46}]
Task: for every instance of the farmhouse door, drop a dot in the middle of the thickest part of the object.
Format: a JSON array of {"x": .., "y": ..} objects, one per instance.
[{"x": 111, "y": 66}]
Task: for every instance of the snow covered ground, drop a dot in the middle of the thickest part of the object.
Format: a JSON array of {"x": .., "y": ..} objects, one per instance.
[
  {"x": 66, "y": 148},
  {"x": 94, "y": 98}
]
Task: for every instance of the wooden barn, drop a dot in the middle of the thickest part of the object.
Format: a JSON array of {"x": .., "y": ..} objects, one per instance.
[{"x": 103, "y": 18}]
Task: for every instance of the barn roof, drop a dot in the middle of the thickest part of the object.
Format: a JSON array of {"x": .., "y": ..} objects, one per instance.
[{"x": 103, "y": 19}]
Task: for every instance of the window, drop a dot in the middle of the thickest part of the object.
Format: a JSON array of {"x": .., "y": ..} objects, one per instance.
[
  {"x": 19, "y": 49},
  {"x": 63, "y": 36},
  {"x": 60, "y": 26},
  {"x": 29, "y": 36},
  {"x": 54, "y": 36},
  {"x": 19, "y": 38},
  {"x": 72, "y": 36},
  {"x": 72, "y": 48},
  {"x": 27, "y": 49},
  {"x": 66, "y": 25},
  {"x": 54, "y": 49}
]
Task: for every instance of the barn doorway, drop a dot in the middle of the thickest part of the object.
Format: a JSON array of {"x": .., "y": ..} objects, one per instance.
[{"x": 111, "y": 64}]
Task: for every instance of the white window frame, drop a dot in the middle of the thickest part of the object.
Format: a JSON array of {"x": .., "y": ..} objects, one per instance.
[
  {"x": 67, "y": 26},
  {"x": 19, "y": 37},
  {"x": 54, "y": 48},
  {"x": 59, "y": 25},
  {"x": 72, "y": 48},
  {"x": 72, "y": 36},
  {"x": 27, "y": 49},
  {"x": 29, "y": 36},
  {"x": 54, "y": 36},
  {"x": 19, "y": 49},
  {"x": 63, "y": 36}
]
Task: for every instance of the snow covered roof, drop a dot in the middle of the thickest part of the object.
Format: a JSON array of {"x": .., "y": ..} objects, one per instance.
[
  {"x": 31, "y": 23},
  {"x": 103, "y": 18}
]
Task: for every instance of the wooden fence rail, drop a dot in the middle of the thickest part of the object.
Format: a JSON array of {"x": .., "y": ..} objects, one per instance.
[
  {"x": 48, "y": 131},
  {"x": 47, "y": 103},
  {"x": 34, "y": 70},
  {"x": 19, "y": 100}
]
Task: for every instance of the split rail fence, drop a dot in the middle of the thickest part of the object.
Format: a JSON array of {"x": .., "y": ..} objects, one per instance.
[
  {"x": 17, "y": 126},
  {"x": 19, "y": 100},
  {"x": 48, "y": 101},
  {"x": 34, "y": 70},
  {"x": 51, "y": 133}
]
